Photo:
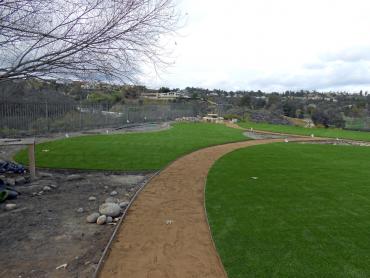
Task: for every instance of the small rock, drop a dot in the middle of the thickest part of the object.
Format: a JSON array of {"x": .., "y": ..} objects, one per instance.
[
  {"x": 114, "y": 193},
  {"x": 10, "y": 181},
  {"x": 111, "y": 200},
  {"x": 45, "y": 175},
  {"x": 101, "y": 220},
  {"x": 54, "y": 186},
  {"x": 254, "y": 178},
  {"x": 92, "y": 217},
  {"x": 80, "y": 210},
  {"x": 92, "y": 198},
  {"x": 12, "y": 194},
  {"x": 110, "y": 209},
  {"x": 40, "y": 193},
  {"x": 10, "y": 207},
  {"x": 20, "y": 180},
  {"x": 106, "y": 187},
  {"x": 109, "y": 220},
  {"x": 46, "y": 188},
  {"x": 123, "y": 204},
  {"x": 74, "y": 177}
]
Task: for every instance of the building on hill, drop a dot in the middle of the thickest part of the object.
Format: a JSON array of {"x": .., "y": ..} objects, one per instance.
[
  {"x": 150, "y": 95},
  {"x": 163, "y": 96}
]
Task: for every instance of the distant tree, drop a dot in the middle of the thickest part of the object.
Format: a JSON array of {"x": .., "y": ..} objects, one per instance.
[
  {"x": 290, "y": 108},
  {"x": 131, "y": 92},
  {"x": 336, "y": 118},
  {"x": 311, "y": 108},
  {"x": 320, "y": 117},
  {"x": 194, "y": 95},
  {"x": 258, "y": 103},
  {"x": 299, "y": 114},
  {"x": 328, "y": 117},
  {"x": 273, "y": 99},
  {"x": 245, "y": 101},
  {"x": 164, "y": 90}
]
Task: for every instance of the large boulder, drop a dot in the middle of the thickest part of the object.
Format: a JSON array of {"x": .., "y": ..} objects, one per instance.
[{"x": 110, "y": 209}]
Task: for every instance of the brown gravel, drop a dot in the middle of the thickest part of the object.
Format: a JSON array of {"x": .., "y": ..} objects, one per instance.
[{"x": 165, "y": 233}]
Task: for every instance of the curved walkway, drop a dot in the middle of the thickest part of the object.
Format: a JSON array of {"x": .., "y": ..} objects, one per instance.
[{"x": 166, "y": 233}]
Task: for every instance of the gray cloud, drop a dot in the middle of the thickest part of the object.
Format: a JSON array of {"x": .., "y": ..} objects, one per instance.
[
  {"x": 345, "y": 68},
  {"x": 353, "y": 54},
  {"x": 335, "y": 75}
]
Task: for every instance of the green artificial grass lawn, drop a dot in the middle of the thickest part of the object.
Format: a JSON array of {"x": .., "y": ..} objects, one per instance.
[
  {"x": 319, "y": 132},
  {"x": 131, "y": 152},
  {"x": 307, "y": 214}
]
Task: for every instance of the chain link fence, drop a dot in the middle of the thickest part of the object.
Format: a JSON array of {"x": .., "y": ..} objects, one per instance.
[{"x": 34, "y": 119}]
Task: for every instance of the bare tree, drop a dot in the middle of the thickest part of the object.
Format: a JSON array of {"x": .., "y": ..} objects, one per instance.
[{"x": 90, "y": 39}]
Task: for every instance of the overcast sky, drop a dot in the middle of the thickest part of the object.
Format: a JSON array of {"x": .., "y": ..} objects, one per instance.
[{"x": 270, "y": 45}]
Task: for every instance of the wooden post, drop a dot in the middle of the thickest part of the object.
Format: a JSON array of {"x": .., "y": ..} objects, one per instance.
[{"x": 31, "y": 160}]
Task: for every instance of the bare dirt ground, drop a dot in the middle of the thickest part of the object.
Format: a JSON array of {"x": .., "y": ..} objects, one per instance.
[
  {"x": 46, "y": 229},
  {"x": 165, "y": 233}
]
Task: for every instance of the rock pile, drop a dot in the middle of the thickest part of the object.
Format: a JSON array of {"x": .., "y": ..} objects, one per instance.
[{"x": 109, "y": 211}]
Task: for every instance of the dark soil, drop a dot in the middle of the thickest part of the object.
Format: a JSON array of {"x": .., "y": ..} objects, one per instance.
[{"x": 46, "y": 231}]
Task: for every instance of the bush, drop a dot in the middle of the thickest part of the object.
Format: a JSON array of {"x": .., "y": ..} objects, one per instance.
[
  {"x": 231, "y": 116},
  {"x": 328, "y": 118}
]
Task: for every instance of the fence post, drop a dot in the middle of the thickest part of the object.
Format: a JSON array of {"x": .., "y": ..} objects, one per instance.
[
  {"x": 31, "y": 160},
  {"x": 106, "y": 115},
  {"x": 80, "y": 114},
  {"x": 47, "y": 116}
]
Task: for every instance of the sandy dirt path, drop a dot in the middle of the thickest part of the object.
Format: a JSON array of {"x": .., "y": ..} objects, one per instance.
[{"x": 166, "y": 233}]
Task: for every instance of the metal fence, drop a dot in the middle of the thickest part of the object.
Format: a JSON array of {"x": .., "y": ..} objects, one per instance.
[{"x": 33, "y": 119}]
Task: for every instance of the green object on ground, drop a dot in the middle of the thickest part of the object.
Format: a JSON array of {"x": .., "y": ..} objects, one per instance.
[
  {"x": 292, "y": 210},
  {"x": 3, "y": 195},
  {"x": 131, "y": 152},
  {"x": 318, "y": 132}
]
